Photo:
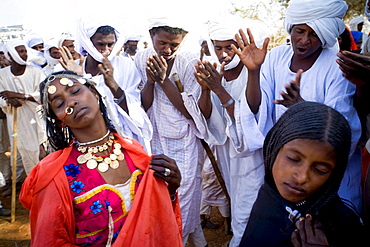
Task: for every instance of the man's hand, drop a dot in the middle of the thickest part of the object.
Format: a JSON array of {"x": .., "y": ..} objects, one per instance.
[
  {"x": 6, "y": 95},
  {"x": 15, "y": 102},
  {"x": 68, "y": 62},
  {"x": 156, "y": 69},
  {"x": 355, "y": 67},
  {"x": 292, "y": 95},
  {"x": 251, "y": 56},
  {"x": 106, "y": 69},
  {"x": 207, "y": 75}
]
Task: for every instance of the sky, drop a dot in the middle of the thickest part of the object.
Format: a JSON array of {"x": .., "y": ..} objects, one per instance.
[{"x": 50, "y": 18}]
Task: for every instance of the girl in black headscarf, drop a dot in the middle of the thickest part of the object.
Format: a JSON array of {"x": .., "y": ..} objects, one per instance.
[{"x": 305, "y": 155}]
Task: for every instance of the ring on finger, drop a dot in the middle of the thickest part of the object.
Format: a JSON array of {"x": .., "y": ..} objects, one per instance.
[
  {"x": 107, "y": 71},
  {"x": 209, "y": 75},
  {"x": 166, "y": 172}
]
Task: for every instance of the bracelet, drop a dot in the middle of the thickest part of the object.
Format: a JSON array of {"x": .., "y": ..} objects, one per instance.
[
  {"x": 119, "y": 100},
  {"x": 228, "y": 103}
]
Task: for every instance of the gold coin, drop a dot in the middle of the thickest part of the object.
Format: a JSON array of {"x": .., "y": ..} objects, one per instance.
[
  {"x": 91, "y": 164},
  {"x": 101, "y": 148},
  {"x": 81, "y": 159},
  {"x": 117, "y": 151},
  {"x": 52, "y": 89},
  {"x": 103, "y": 167},
  {"x": 95, "y": 150},
  {"x": 117, "y": 146},
  {"x": 107, "y": 160},
  {"x": 121, "y": 157},
  {"x": 64, "y": 81},
  {"x": 105, "y": 146},
  {"x": 88, "y": 156},
  {"x": 113, "y": 156},
  {"x": 115, "y": 164},
  {"x": 99, "y": 159}
]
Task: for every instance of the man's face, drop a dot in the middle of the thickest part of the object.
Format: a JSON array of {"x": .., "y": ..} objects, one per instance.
[
  {"x": 305, "y": 41},
  {"x": 39, "y": 47},
  {"x": 104, "y": 43},
  {"x": 224, "y": 51},
  {"x": 131, "y": 47},
  {"x": 54, "y": 52},
  {"x": 71, "y": 47},
  {"x": 165, "y": 44},
  {"x": 3, "y": 61},
  {"x": 205, "y": 48},
  {"x": 22, "y": 52}
]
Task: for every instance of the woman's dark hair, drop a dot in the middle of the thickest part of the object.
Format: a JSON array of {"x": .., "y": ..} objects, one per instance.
[
  {"x": 171, "y": 30},
  {"x": 60, "y": 137},
  {"x": 315, "y": 121}
]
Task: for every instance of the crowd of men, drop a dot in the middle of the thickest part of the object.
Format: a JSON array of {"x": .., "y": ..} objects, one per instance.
[{"x": 218, "y": 103}]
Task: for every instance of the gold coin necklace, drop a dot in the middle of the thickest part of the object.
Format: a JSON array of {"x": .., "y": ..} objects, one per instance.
[{"x": 102, "y": 163}]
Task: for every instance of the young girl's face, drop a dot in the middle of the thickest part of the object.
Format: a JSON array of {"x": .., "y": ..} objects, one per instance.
[{"x": 301, "y": 167}]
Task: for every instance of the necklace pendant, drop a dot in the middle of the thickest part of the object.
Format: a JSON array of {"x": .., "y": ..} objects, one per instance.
[
  {"x": 88, "y": 156},
  {"x": 121, "y": 156},
  {"x": 91, "y": 164},
  {"x": 101, "y": 148},
  {"x": 107, "y": 161},
  {"x": 81, "y": 159},
  {"x": 114, "y": 164},
  {"x": 117, "y": 146},
  {"x": 99, "y": 159},
  {"x": 113, "y": 157},
  {"x": 103, "y": 167},
  {"x": 117, "y": 151}
]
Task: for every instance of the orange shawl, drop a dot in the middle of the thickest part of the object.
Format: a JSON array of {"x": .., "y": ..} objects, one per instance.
[{"x": 152, "y": 221}]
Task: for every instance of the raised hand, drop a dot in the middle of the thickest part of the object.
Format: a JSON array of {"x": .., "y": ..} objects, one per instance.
[
  {"x": 251, "y": 56},
  {"x": 68, "y": 62},
  {"x": 156, "y": 69},
  {"x": 106, "y": 70},
  {"x": 292, "y": 95}
]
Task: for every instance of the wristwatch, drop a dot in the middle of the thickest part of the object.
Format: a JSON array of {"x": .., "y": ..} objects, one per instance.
[{"x": 26, "y": 96}]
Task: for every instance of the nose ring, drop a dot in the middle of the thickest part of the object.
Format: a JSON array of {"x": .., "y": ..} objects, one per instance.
[{"x": 69, "y": 110}]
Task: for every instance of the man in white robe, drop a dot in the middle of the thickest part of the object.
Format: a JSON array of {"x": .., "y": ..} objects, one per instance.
[
  {"x": 321, "y": 81},
  {"x": 220, "y": 103},
  {"x": 121, "y": 97},
  {"x": 19, "y": 90},
  {"x": 175, "y": 115}
]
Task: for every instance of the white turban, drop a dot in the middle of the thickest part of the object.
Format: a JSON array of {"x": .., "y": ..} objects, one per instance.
[
  {"x": 10, "y": 49},
  {"x": 86, "y": 28},
  {"x": 323, "y": 16},
  {"x": 34, "y": 39},
  {"x": 367, "y": 10},
  {"x": 63, "y": 37},
  {"x": 48, "y": 45},
  {"x": 160, "y": 21},
  {"x": 354, "y": 23},
  {"x": 226, "y": 28}
]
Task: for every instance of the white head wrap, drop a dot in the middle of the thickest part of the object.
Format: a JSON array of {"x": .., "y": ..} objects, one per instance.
[
  {"x": 226, "y": 29},
  {"x": 34, "y": 39},
  {"x": 86, "y": 28},
  {"x": 355, "y": 21},
  {"x": 10, "y": 49},
  {"x": 48, "y": 45},
  {"x": 63, "y": 37},
  {"x": 170, "y": 21},
  {"x": 323, "y": 16},
  {"x": 367, "y": 10}
]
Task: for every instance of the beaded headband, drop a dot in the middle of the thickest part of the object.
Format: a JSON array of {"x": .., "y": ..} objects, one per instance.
[{"x": 65, "y": 80}]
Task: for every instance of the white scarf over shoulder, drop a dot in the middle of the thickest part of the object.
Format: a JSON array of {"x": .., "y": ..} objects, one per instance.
[
  {"x": 86, "y": 28},
  {"x": 323, "y": 16}
]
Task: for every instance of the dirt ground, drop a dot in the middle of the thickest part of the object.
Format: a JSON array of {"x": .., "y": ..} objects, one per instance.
[{"x": 17, "y": 234}]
